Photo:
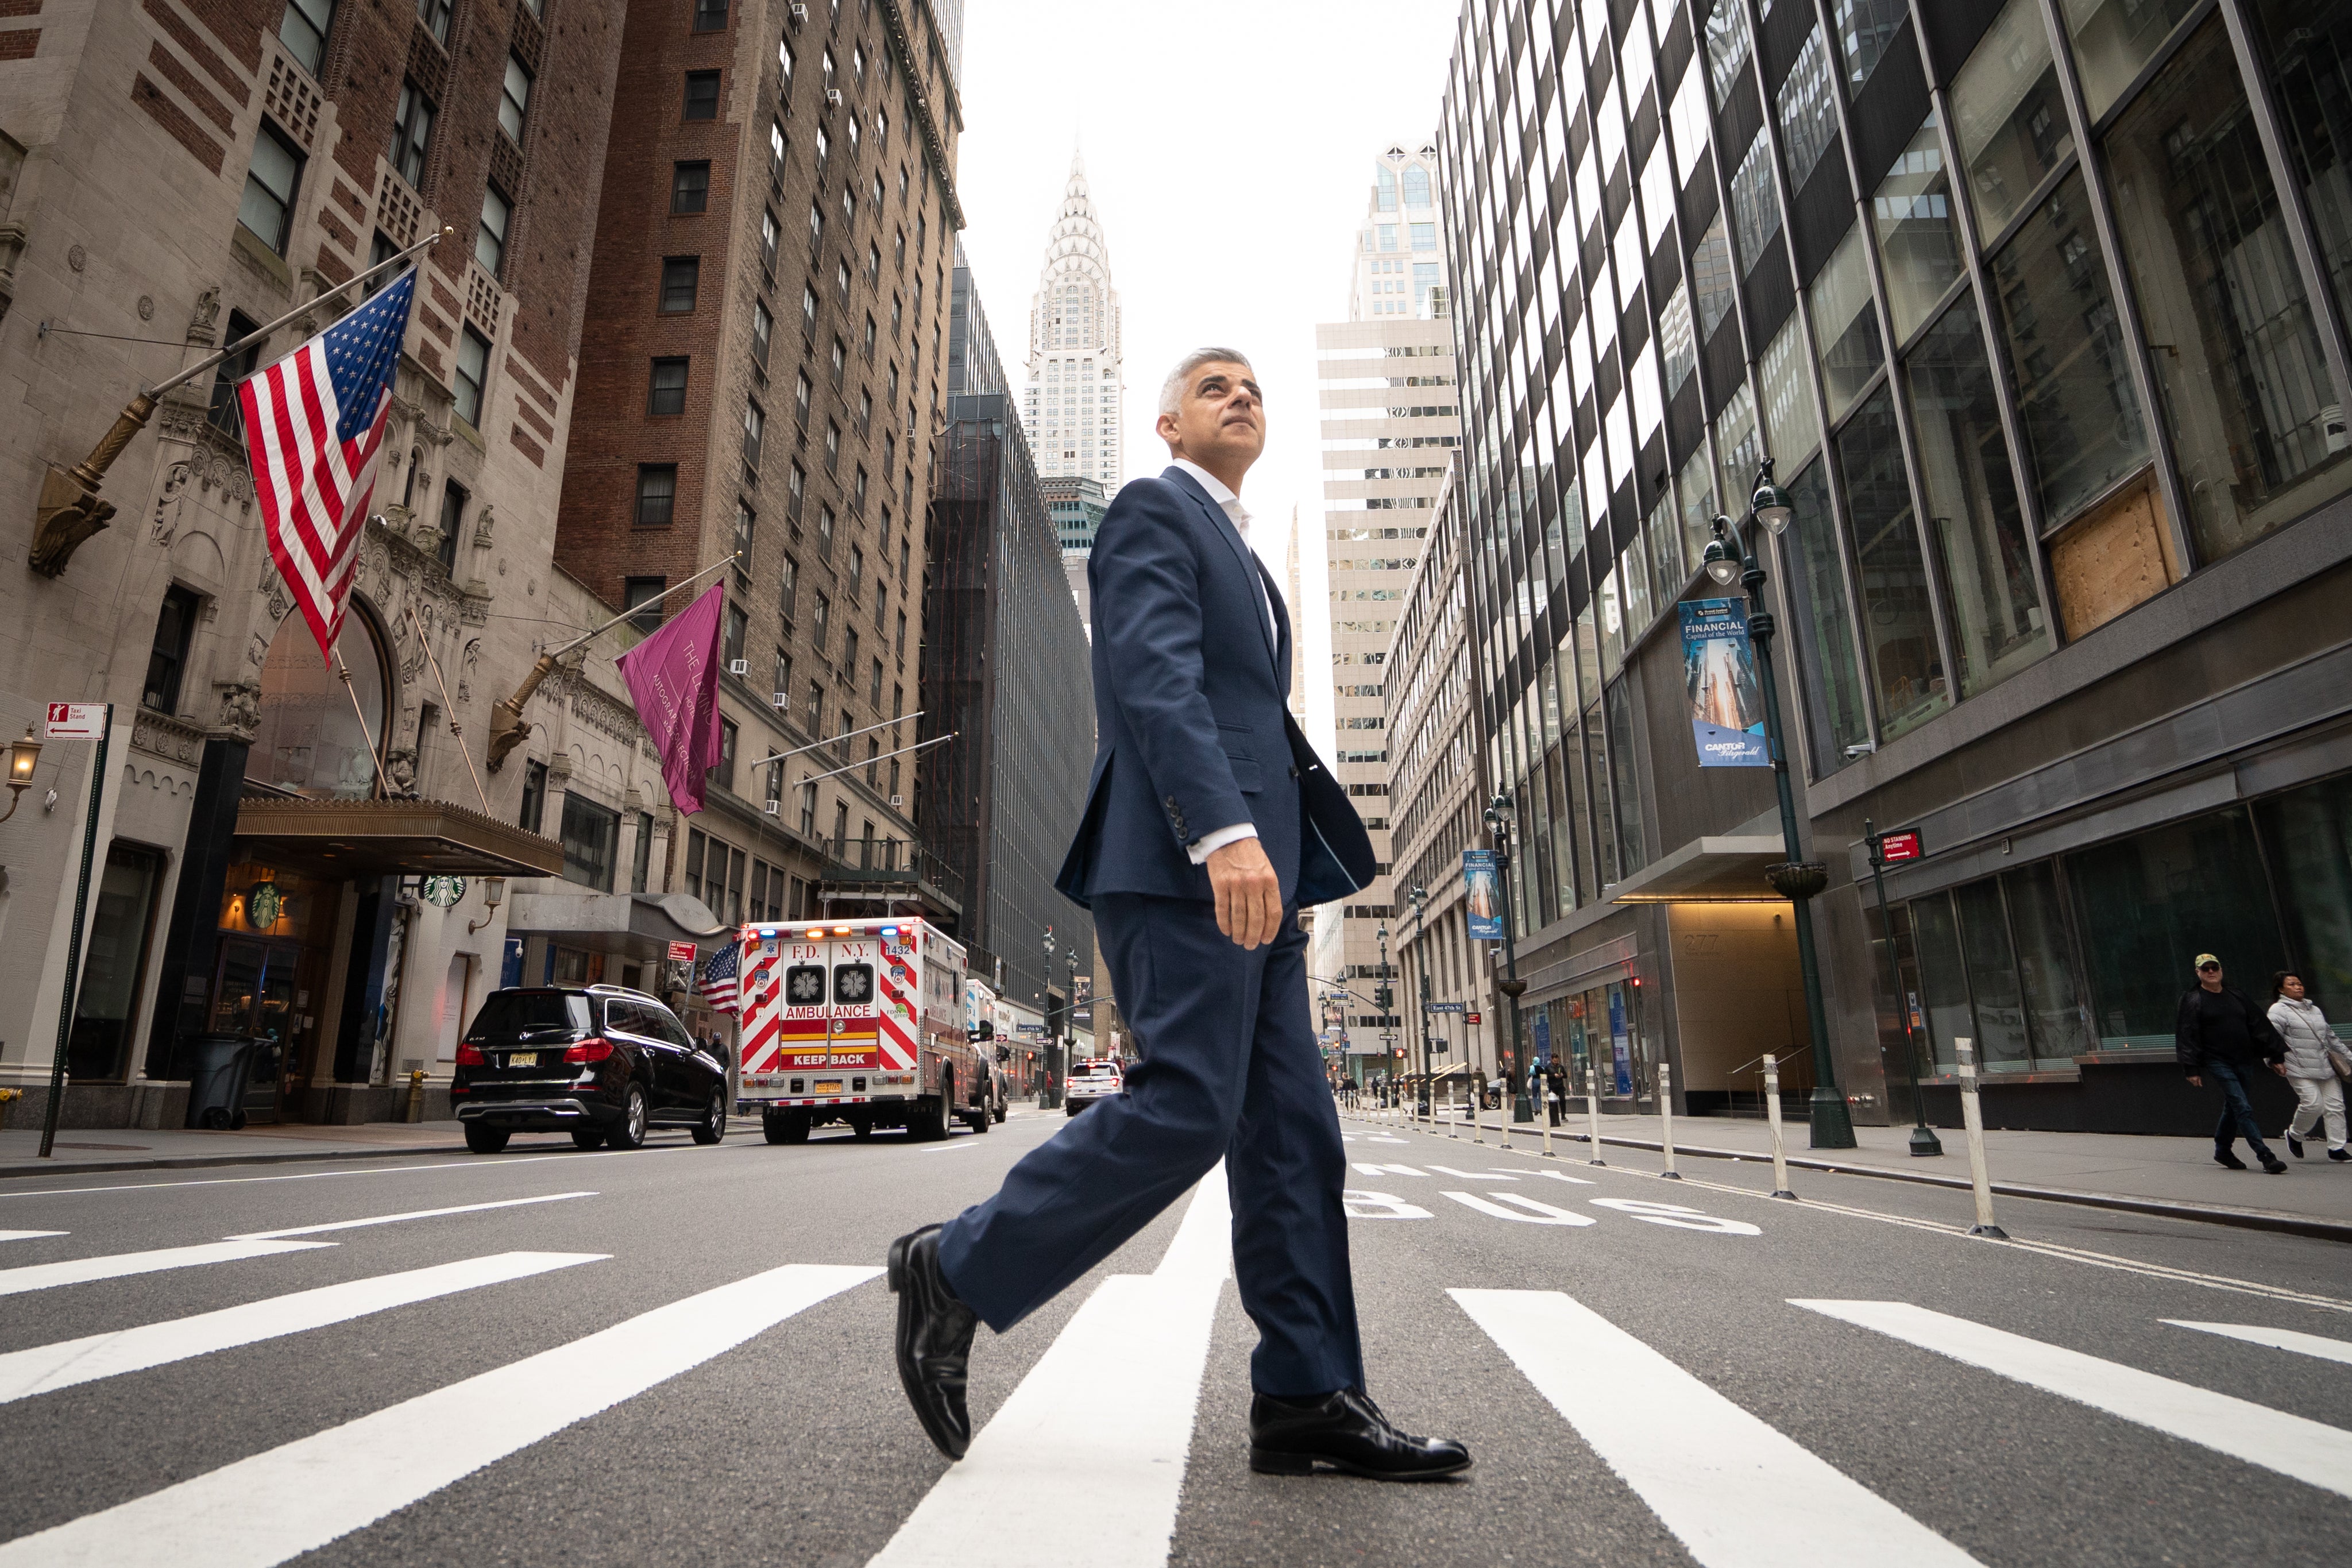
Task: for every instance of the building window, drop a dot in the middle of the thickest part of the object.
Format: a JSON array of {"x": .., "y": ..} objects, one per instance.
[
  {"x": 1830, "y": 689},
  {"x": 701, "y": 95},
  {"x": 723, "y": 772},
  {"x": 873, "y": 687},
  {"x": 796, "y": 489},
  {"x": 534, "y": 796},
  {"x": 514, "y": 100},
  {"x": 1677, "y": 351},
  {"x": 784, "y": 63},
  {"x": 1847, "y": 325},
  {"x": 689, "y": 187},
  {"x": 737, "y": 626},
  {"x": 815, "y": 722},
  {"x": 1911, "y": 216},
  {"x": 784, "y": 684},
  {"x": 412, "y": 128},
  {"x": 747, "y": 524},
  {"x": 491, "y": 236},
  {"x": 681, "y": 276},
  {"x": 303, "y": 30},
  {"x": 1727, "y": 46},
  {"x": 272, "y": 179},
  {"x": 453, "y": 519},
  {"x": 1998, "y": 622},
  {"x": 755, "y": 425},
  {"x": 225, "y": 413},
  {"x": 770, "y": 233},
  {"x": 900, "y": 646},
  {"x": 849, "y": 653},
  {"x": 592, "y": 834},
  {"x": 175, "y": 626},
  {"x": 1864, "y": 27},
  {"x": 2246, "y": 390},
  {"x": 832, "y": 446},
  {"x": 473, "y": 375},
  {"x": 788, "y": 588},
  {"x": 644, "y": 595},
  {"x": 2081, "y": 417},
  {"x": 434, "y": 15},
  {"x": 775, "y": 149},
  {"x": 656, "y": 494},
  {"x": 1755, "y": 207},
  {"x": 696, "y": 848},
  {"x": 668, "y": 393},
  {"x": 1711, "y": 274},
  {"x": 817, "y": 620},
  {"x": 801, "y": 390},
  {"x": 1899, "y": 628},
  {"x": 840, "y": 360},
  {"x": 1808, "y": 115},
  {"x": 763, "y": 328},
  {"x": 710, "y": 16}
]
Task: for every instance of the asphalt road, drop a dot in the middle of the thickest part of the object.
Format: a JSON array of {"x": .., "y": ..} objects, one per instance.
[{"x": 682, "y": 1354}]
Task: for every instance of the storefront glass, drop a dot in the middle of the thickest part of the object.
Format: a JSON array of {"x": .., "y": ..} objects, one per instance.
[
  {"x": 99, "y": 1049},
  {"x": 2307, "y": 840}
]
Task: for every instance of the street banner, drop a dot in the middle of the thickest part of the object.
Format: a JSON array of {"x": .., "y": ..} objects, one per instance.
[
  {"x": 1719, "y": 672},
  {"x": 1485, "y": 885},
  {"x": 314, "y": 424},
  {"x": 673, "y": 677}
]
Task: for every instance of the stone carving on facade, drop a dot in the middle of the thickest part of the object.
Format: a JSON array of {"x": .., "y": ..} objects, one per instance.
[
  {"x": 482, "y": 529},
  {"x": 240, "y": 707},
  {"x": 213, "y": 465},
  {"x": 201, "y": 318},
  {"x": 558, "y": 766},
  {"x": 468, "y": 661},
  {"x": 275, "y": 601},
  {"x": 164, "y": 736},
  {"x": 400, "y": 770},
  {"x": 600, "y": 712}
]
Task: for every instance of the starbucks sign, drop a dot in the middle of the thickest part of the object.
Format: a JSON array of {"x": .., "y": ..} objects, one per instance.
[{"x": 443, "y": 892}]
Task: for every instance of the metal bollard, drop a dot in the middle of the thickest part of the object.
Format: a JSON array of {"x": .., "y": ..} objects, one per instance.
[
  {"x": 1772, "y": 1111},
  {"x": 1667, "y": 1119},
  {"x": 1972, "y": 1117},
  {"x": 1477, "y": 1114},
  {"x": 1592, "y": 1110},
  {"x": 1543, "y": 1116}
]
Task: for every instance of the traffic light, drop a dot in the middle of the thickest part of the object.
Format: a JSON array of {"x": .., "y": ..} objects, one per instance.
[{"x": 1386, "y": 997}]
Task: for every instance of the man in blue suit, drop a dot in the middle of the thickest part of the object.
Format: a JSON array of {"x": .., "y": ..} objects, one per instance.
[{"x": 1209, "y": 822}]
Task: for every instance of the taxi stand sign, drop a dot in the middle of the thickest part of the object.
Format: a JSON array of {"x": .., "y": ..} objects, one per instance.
[{"x": 78, "y": 720}]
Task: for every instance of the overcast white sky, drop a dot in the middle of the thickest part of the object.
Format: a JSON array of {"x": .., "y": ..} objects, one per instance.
[{"x": 1229, "y": 149}]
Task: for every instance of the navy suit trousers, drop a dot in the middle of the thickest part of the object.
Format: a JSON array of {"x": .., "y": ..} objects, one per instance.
[{"x": 1231, "y": 1070}]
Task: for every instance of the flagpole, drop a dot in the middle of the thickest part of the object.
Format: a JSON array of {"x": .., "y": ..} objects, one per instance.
[
  {"x": 352, "y": 694},
  {"x": 836, "y": 740},
  {"x": 70, "y": 509},
  {"x": 506, "y": 726},
  {"x": 446, "y": 706},
  {"x": 885, "y": 756}
]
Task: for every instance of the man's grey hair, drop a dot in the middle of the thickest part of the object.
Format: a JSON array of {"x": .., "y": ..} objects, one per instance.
[{"x": 1172, "y": 391}]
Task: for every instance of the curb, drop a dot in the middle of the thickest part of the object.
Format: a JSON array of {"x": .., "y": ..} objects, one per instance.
[
  {"x": 2210, "y": 1214},
  {"x": 207, "y": 1161}
]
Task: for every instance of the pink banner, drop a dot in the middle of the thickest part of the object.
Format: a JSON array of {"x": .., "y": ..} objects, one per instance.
[{"x": 673, "y": 676}]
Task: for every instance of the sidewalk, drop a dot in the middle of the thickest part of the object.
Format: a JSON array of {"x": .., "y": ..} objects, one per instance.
[
  {"x": 2172, "y": 1176},
  {"x": 81, "y": 1151}
]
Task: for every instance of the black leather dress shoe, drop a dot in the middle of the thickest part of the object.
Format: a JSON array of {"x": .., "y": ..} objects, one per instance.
[
  {"x": 1344, "y": 1432},
  {"x": 934, "y": 1340}
]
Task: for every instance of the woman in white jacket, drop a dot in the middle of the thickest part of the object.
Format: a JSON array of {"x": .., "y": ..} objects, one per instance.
[{"x": 2309, "y": 1044}]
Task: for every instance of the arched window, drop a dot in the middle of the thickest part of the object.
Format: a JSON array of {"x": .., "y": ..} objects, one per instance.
[
  {"x": 310, "y": 741},
  {"x": 408, "y": 485}
]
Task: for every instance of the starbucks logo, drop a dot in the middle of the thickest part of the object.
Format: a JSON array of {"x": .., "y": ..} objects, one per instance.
[{"x": 443, "y": 892}]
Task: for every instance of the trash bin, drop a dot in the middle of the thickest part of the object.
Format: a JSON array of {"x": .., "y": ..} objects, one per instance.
[{"x": 217, "y": 1068}]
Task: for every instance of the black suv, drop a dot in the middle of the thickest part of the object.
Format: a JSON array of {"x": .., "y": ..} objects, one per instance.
[{"x": 600, "y": 1062}]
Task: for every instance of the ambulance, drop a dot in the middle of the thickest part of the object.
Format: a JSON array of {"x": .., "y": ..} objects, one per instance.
[{"x": 860, "y": 1022}]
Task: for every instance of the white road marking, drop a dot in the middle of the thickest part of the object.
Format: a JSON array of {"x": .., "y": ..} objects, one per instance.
[
  {"x": 396, "y": 1218},
  {"x": 950, "y": 1148},
  {"x": 115, "y": 1266},
  {"x": 1373, "y": 1170},
  {"x": 1112, "y": 1400},
  {"x": 504, "y": 1162},
  {"x": 298, "y": 1496},
  {"x": 1564, "y": 1177},
  {"x": 1478, "y": 1175},
  {"x": 2307, "y": 1450},
  {"x": 46, "y": 1368},
  {"x": 1675, "y": 1215},
  {"x": 29, "y": 1235},
  {"x": 1539, "y": 1212},
  {"x": 1362, "y": 1203},
  {"x": 2276, "y": 1339},
  {"x": 1734, "y": 1491}
]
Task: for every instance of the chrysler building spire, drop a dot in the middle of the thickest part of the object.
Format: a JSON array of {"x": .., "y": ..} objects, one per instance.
[{"x": 1073, "y": 407}]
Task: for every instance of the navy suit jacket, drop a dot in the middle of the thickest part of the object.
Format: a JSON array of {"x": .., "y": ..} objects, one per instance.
[{"x": 1191, "y": 733}]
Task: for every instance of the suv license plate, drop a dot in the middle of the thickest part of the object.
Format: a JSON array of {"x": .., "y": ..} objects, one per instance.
[
  {"x": 828, "y": 1086},
  {"x": 522, "y": 1059}
]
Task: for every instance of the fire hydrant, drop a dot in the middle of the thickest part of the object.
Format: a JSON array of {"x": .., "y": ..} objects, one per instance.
[{"x": 417, "y": 1095}]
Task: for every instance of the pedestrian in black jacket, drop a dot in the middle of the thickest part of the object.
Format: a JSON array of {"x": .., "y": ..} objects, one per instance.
[{"x": 2221, "y": 1032}]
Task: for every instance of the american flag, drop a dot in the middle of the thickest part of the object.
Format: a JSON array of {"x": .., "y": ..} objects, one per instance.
[
  {"x": 314, "y": 425},
  {"x": 717, "y": 981}
]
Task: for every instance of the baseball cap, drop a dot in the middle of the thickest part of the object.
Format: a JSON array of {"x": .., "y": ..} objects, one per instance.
[{"x": 2204, "y": 959}]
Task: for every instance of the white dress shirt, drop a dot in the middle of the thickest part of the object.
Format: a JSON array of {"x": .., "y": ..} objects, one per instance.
[{"x": 1208, "y": 844}]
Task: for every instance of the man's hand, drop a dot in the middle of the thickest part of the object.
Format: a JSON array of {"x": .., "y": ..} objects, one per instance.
[
  {"x": 1249, "y": 895},
  {"x": 2196, "y": 1082}
]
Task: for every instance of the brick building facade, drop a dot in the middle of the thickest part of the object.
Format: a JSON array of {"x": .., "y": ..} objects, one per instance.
[{"x": 771, "y": 286}]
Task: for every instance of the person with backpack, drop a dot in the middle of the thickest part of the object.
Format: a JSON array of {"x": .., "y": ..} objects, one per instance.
[
  {"x": 2315, "y": 1061},
  {"x": 2219, "y": 1031}
]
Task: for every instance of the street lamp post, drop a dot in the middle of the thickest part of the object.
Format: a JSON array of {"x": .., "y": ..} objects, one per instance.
[
  {"x": 1420, "y": 896},
  {"x": 1728, "y": 560},
  {"x": 1053, "y": 1047},
  {"x": 1499, "y": 823},
  {"x": 1384, "y": 997},
  {"x": 1922, "y": 1141}
]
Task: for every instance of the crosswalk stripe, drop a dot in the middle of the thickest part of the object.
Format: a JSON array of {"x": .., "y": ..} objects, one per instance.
[
  {"x": 46, "y": 1368},
  {"x": 1735, "y": 1491},
  {"x": 2294, "y": 1339},
  {"x": 397, "y": 1219},
  {"x": 1109, "y": 1407},
  {"x": 115, "y": 1266},
  {"x": 297, "y": 1498},
  {"x": 28, "y": 1235},
  {"x": 2307, "y": 1450}
]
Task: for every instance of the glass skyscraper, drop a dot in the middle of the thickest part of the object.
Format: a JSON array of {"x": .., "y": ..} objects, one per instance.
[{"x": 2041, "y": 313}]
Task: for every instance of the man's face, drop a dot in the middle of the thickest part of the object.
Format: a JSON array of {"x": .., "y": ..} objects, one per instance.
[
  {"x": 2210, "y": 977},
  {"x": 1221, "y": 422}
]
